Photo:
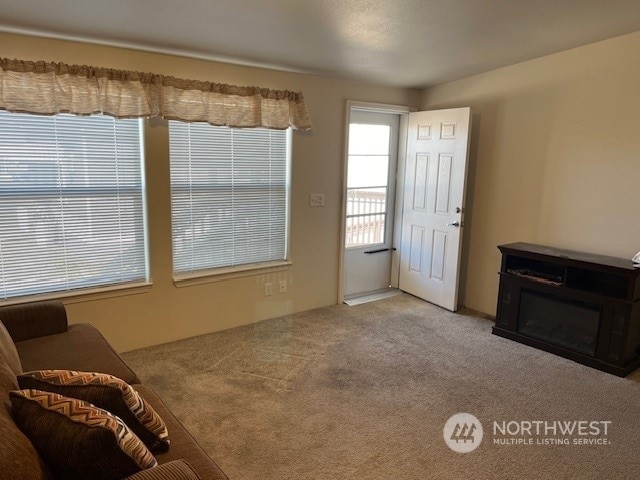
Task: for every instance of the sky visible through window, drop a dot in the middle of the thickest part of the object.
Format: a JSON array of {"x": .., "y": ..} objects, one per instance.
[{"x": 368, "y": 155}]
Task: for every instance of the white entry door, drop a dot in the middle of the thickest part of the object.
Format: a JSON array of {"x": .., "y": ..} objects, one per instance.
[
  {"x": 371, "y": 172},
  {"x": 433, "y": 204}
]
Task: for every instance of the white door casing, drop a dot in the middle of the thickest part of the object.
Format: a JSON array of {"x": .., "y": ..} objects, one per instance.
[{"x": 433, "y": 204}]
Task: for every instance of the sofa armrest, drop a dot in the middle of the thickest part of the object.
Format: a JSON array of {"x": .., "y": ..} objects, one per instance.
[
  {"x": 175, "y": 470},
  {"x": 35, "y": 319}
]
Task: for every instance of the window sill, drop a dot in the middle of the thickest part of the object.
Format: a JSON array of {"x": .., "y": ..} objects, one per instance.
[
  {"x": 221, "y": 274},
  {"x": 86, "y": 295}
]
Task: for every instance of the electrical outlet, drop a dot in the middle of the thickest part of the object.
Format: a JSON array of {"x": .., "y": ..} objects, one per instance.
[
  {"x": 283, "y": 286},
  {"x": 268, "y": 289},
  {"x": 316, "y": 200}
]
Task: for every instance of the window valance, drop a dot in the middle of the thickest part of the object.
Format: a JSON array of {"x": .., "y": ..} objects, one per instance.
[{"x": 49, "y": 88}]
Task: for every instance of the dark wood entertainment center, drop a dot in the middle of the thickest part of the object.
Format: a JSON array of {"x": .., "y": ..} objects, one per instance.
[{"x": 578, "y": 305}]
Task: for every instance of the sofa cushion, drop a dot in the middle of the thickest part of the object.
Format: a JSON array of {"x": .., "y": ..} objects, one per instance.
[
  {"x": 8, "y": 380},
  {"x": 8, "y": 350},
  {"x": 81, "y": 348},
  {"x": 183, "y": 445},
  {"x": 18, "y": 458},
  {"x": 107, "y": 392},
  {"x": 175, "y": 470},
  {"x": 78, "y": 440}
]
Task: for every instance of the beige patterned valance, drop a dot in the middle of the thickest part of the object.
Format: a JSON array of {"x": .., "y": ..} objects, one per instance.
[{"x": 49, "y": 88}]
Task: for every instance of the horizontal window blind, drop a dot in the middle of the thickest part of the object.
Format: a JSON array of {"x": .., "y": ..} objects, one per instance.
[
  {"x": 229, "y": 196},
  {"x": 71, "y": 203}
]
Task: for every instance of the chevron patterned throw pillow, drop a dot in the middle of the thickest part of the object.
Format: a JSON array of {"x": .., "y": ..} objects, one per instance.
[
  {"x": 78, "y": 440},
  {"x": 107, "y": 392}
]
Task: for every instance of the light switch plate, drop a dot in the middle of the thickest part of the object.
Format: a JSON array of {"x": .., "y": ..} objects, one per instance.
[{"x": 316, "y": 200}]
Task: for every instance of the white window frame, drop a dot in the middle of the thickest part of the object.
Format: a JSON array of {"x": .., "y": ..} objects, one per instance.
[
  {"x": 216, "y": 274},
  {"x": 108, "y": 289}
]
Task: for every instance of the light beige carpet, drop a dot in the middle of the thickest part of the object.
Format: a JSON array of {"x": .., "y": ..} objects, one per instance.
[{"x": 364, "y": 392}]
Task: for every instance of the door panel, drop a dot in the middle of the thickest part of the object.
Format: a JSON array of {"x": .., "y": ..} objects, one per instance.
[
  {"x": 433, "y": 207},
  {"x": 415, "y": 252},
  {"x": 371, "y": 168}
]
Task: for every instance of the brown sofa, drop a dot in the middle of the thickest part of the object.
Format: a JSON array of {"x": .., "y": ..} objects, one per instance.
[{"x": 40, "y": 334}]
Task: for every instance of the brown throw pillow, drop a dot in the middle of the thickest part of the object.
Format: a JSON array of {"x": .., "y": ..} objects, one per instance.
[
  {"x": 107, "y": 392},
  {"x": 78, "y": 440}
]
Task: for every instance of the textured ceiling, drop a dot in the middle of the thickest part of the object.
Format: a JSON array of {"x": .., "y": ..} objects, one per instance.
[{"x": 406, "y": 43}]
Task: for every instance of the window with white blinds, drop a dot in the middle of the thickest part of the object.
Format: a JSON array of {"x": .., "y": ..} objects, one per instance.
[
  {"x": 71, "y": 203},
  {"x": 229, "y": 196}
]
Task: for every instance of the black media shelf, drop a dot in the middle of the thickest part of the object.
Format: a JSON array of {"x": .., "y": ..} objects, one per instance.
[{"x": 578, "y": 305}]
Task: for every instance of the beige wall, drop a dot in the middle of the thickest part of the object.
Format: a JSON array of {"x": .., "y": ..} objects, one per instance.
[
  {"x": 554, "y": 161},
  {"x": 556, "y": 157},
  {"x": 165, "y": 312}
]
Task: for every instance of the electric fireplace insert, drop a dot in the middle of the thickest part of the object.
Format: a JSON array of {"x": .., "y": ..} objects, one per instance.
[{"x": 578, "y": 305}]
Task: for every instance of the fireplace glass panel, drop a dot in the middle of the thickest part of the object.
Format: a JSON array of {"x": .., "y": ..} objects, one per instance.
[{"x": 568, "y": 324}]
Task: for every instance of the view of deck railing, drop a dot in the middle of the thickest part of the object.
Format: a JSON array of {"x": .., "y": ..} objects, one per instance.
[{"x": 366, "y": 212}]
